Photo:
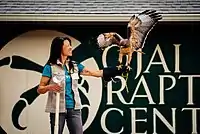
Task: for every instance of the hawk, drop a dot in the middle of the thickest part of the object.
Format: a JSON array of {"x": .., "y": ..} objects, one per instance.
[{"x": 138, "y": 29}]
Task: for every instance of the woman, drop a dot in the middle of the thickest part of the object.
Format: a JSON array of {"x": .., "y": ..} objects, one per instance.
[{"x": 60, "y": 66}]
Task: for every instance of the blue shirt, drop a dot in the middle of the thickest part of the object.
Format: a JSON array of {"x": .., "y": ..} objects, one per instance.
[{"x": 68, "y": 88}]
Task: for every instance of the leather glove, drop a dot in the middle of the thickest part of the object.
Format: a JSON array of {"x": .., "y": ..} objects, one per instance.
[{"x": 111, "y": 72}]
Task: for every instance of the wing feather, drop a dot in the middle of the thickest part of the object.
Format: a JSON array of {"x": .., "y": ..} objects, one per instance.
[
  {"x": 142, "y": 25},
  {"x": 106, "y": 39}
]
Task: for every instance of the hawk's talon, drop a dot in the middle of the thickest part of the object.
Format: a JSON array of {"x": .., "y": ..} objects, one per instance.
[
  {"x": 128, "y": 68},
  {"x": 119, "y": 66}
]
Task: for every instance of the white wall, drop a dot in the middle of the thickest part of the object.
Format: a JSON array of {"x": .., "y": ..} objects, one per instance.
[{"x": 35, "y": 45}]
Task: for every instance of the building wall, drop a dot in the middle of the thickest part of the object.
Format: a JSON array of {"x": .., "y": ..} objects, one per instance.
[{"x": 162, "y": 88}]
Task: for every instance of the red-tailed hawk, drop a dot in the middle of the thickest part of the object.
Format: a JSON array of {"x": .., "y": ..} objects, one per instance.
[{"x": 138, "y": 28}]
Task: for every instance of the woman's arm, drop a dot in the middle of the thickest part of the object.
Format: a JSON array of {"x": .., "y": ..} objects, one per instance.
[
  {"x": 89, "y": 72},
  {"x": 44, "y": 87},
  {"x": 107, "y": 73}
]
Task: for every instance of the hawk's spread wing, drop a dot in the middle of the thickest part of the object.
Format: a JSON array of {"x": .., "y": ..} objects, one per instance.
[
  {"x": 139, "y": 26},
  {"x": 106, "y": 39}
]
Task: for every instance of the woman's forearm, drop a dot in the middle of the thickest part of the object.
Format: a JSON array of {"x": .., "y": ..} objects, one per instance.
[
  {"x": 42, "y": 89},
  {"x": 97, "y": 73}
]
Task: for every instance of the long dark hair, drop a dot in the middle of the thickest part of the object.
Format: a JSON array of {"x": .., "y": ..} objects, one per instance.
[{"x": 56, "y": 49}]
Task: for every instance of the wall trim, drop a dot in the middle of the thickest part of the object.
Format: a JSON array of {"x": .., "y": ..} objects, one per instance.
[{"x": 90, "y": 17}]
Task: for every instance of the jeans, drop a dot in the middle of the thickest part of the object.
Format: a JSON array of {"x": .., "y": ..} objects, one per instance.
[{"x": 73, "y": 119}]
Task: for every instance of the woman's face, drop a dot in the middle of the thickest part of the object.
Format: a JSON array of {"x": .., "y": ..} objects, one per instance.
[{"x": 66, "y": 49}]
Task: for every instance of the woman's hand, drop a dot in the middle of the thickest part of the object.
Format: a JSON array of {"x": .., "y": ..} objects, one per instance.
[
  {"x": 54, "y": 87},
  {"x": 44, "y": 86}
]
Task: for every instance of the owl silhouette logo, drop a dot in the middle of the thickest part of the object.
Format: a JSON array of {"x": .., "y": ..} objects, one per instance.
[{"x": 21, "y": 64}]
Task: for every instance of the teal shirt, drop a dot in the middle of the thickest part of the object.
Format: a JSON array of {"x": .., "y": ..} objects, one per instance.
[{"x": 68, "y": 88}]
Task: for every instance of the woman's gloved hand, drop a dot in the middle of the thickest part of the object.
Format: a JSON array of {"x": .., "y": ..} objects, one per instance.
[{"x": 110, "y": 72}]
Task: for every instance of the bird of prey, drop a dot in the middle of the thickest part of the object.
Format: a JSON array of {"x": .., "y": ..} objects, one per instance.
[{"x": 138, "y": 29}]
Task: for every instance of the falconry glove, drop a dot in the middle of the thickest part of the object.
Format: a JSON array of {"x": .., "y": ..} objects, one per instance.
[{"x": 110, "y": 72}]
